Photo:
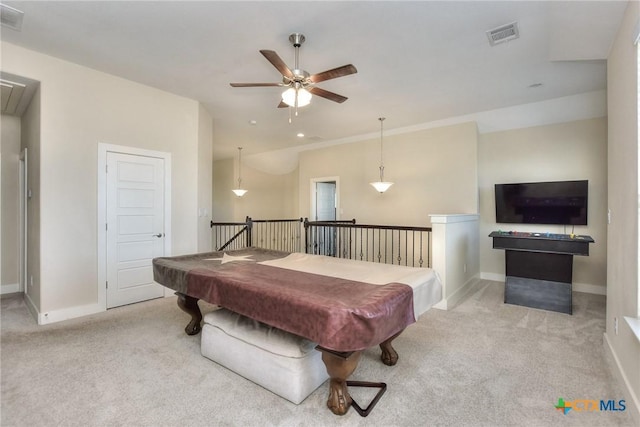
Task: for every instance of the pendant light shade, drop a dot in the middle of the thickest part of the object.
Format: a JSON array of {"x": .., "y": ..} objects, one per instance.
[
  {"x": 382, "y": 185},
  {"x": 239, "y": 191}
]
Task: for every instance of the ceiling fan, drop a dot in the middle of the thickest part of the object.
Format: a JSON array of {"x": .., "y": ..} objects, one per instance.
[{"x": 300, "y": 84}]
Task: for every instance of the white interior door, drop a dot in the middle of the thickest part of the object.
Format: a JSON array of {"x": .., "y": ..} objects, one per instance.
[{"x": 135, "y": 227}]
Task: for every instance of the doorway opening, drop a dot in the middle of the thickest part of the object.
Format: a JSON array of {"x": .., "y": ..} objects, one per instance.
[{"x": 325, "y": 199}]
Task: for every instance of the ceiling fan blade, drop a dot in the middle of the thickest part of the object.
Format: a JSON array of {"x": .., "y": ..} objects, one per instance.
[
  {"x": 255, "y": 84},
  {"x": 326, "y": 94},
  {"x": 277, "y": 62},
  {"x": 282, "y": 105},
  {"x": 345, "y": 70}
]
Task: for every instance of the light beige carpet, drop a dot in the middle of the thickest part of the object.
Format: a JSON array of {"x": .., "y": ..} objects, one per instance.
[{"x": 483, "y": 363}]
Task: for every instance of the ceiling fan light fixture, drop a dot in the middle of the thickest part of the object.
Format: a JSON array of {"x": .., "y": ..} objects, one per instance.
[{"x": 303, "y": 97}]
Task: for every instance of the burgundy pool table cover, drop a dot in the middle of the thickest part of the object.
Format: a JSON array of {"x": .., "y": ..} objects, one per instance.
[{"x": 336, "y": 313}]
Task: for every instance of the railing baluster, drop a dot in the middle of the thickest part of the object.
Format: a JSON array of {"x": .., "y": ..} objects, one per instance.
[
  {"x": 373, "y": 243},
  {"x": 343, "y": 239}
]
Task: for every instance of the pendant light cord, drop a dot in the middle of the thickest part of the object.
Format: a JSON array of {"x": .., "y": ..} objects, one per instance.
[
  {"x": 239, "y": 167},
  {"x": 381, "y": 162}
]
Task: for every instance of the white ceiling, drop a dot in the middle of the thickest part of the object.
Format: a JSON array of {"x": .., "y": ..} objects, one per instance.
[{"x": 418, "y": 61}]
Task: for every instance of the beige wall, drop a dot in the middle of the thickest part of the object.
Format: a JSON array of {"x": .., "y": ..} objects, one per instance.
[
  {"x": 426, "y": 166},
  {"x": 567, "y": 151},
  {"x": 224, "y": 180},
  {"x": 80, "y": 108},
  {"x": 622, "y": 261},
  {"x": 268, "y": 197},
  {"x": 205, "y": 178},
  {"x": 10, "y": 139}
]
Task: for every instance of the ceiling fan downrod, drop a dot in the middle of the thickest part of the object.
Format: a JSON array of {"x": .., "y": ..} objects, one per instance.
[{"x": 296, "y": 39}]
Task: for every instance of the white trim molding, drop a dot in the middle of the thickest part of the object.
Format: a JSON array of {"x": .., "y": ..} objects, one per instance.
[
  {"x": 68, "y": 313},
  {"x": 587, "y": 288},
  {"x": 634, "y": 324},
  {"x": 10, "y": 288},
  {"x": 312, "y": 195}
]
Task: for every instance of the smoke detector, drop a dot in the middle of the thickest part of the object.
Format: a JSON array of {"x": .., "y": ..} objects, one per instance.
[
  {"x": 504, "y": 33},
  {"x": 10, "y": 17}
]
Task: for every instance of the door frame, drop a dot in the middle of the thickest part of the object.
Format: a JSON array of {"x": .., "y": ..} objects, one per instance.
[
  {"x": 312, "y": 195},
  {"x": 103, "y": 149},
  {"x": 23, "y": 221}
]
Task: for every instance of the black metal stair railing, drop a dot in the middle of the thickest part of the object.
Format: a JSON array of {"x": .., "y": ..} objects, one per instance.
[
  {"x": 231, "y": 235},
  {"x": 278, "y": 234},
  {"x": 388, "y": 244}
]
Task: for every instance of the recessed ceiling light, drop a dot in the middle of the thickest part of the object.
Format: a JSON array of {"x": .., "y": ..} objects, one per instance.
[
  {"x": 253, "y": 122},
  {"x": 300, "y": 135}
]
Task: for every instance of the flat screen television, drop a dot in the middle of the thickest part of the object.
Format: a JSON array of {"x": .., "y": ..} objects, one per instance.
[{"x": 559, "y": 202}]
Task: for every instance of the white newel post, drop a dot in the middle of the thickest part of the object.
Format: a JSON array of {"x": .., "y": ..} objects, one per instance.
[{"x": 455, "y": 255}]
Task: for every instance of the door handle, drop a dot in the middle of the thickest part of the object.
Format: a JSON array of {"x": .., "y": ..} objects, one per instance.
[{"x": 158, "y": 235}]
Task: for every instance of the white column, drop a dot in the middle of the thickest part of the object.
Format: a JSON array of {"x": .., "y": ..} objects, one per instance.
[{"x": 455, "y": 255}]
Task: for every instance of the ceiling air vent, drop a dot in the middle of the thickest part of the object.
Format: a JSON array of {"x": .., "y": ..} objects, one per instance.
[
  {"x": 10, "y": 17},
  {"x": 503, "y": 34},
  {"x": 11, "y": 96}
]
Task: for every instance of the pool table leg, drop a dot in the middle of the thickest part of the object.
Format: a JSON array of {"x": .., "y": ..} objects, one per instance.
[
  {"x": 339, "y": 367},
  {"x": 190, "y": 306},
  {"x": 389, "y": 355}
]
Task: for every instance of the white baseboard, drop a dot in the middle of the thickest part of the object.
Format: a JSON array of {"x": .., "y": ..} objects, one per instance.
[
  {"x": 68, "y": 313},
  {"x": 633, "y": 403},
  {"x": 452, "y": 300},
  {"x": 492, "y": 276},
  {"x": 577, "y": 287},
  {"x": 31, "y": 307},
  {"x": 9, "y": 289},
  {"x": 54, "y": 316},
  {"x": 589, "y": 289}
]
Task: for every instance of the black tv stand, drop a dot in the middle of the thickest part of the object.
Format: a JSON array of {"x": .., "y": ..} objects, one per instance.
[{"x": 539, "y": 267}]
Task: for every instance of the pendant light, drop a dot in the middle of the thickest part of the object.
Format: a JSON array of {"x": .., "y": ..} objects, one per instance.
[
  {"x": 239, "y": 191},
  {"x": 382, "y": 185}
]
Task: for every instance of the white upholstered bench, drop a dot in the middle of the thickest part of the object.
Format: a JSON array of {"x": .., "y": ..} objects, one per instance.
[{"x": 286, "y": 364}]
